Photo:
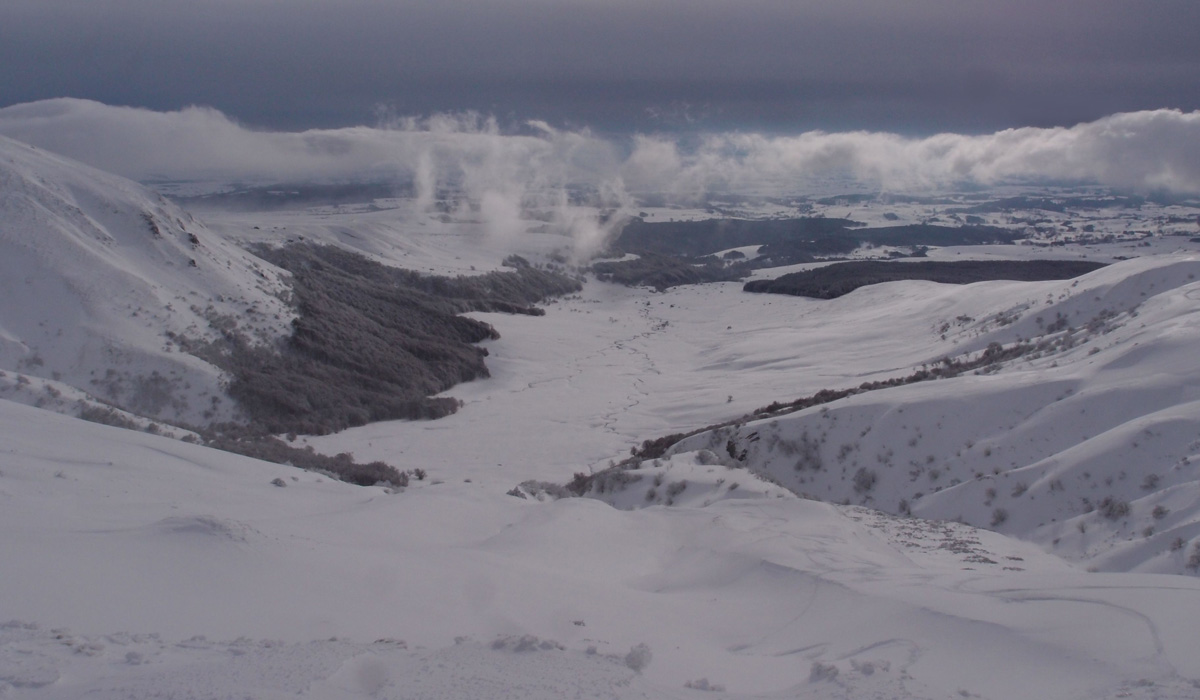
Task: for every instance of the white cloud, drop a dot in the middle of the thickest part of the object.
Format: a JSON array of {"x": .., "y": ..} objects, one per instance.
[
  {"x": 1150, "y": 150},
  {"x": 496, "y": 174},
  {"x": 499, "y": 173}
]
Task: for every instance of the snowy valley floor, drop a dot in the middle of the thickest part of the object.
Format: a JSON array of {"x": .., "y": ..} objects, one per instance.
[{"x": 136, "y": 566}]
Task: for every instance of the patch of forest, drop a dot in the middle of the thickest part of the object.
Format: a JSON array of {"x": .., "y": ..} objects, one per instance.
[
  {"x": 882, "y": 197},
  {"x": 833, "y": 281},
  {"x": 294, "y": 196},
  {"x": 664, "y": 271},
  {"x": 699, "y": 238},
  {"x": 683, "y": 252},
  {"x": 373, "y": 342}
]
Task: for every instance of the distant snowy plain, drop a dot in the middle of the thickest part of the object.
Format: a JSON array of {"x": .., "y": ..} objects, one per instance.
[{"x": 134, "y": 565}]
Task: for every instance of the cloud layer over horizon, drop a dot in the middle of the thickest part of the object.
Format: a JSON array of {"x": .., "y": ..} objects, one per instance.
[
  {"x": 1155, "y": 150},
  {"x": 912, "y": 67}
]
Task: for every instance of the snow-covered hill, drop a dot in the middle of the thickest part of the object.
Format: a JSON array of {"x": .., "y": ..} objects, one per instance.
[
  {"x": 138, "y": 566},
  {"x": 133, "y": 565},
  {"x": 1087, "y": 443},
  {"x": 97, "y": 274}
]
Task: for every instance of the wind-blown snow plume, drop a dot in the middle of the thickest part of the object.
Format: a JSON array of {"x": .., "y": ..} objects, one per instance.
[
  {"x": 493, "y": 174},
  {"x": 502, "y": 172},
  {"x": 501, "y": 175}
]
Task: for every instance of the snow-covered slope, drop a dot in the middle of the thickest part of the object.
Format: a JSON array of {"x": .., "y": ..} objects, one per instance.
[
  {"x": 96, "y": 273},
  {"x": 132, "y": 565},
  {"x": 1087, "y": 444},
  {"x": 137, "y": 566}
]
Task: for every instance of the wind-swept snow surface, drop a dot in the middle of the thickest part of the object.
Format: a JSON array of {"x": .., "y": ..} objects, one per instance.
[
  {"x": 99, "y": 275},
  {"x": 137, "y": 566}
]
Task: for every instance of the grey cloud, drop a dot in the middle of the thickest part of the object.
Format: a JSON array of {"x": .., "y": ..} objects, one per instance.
[{"x": 915, "y": 66}]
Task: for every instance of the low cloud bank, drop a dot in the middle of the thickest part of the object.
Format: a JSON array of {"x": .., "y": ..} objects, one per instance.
[
  {"x": 1148, "y": 150},
  {"x": 502, "y": 171},
  {"x": 494, "y": 175}
]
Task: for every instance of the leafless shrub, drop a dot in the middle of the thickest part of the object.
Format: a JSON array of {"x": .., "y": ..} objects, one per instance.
[
  {"x": 822, "y": 672},
  {"x": 639, "y": 657},
  {"x": 864, "y": 480},
  {"x": 1113, "y": 509},
  {"x": 341, "y": 466},
  {"x": 105, "y": 415}
]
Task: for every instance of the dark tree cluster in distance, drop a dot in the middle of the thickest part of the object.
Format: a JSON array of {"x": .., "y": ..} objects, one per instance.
[
  {"x": 665, "y": 271},
  {"x": 831, "y": 281},
  {"x": 673, "y": 253}
]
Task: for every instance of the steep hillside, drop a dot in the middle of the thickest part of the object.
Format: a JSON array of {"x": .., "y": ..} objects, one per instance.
[
  {"x": 1086, "y": 442},
  {"x": 97, "y": 275}
]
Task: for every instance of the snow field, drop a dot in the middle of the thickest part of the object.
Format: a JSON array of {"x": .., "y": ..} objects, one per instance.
[
  {"x": 132, "y": 565},
  {"x": 120, "y": 535}
]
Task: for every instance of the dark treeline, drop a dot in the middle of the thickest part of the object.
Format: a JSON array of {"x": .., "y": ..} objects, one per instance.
[
  {"x": 933, "y": 235},
  {"x": 295, "y": 196},
  {"x": 372, "y": 342},
  {"x": 698, "y": 238},
  {"x": 664, "y": 271},
  {"x": 1058, "y": 204},
  {"x": 341, "y": 466},
  {"x": 682, "y": 252},
  {"x": 813, "y": 235},
  {"x": 833, "y": 281}
]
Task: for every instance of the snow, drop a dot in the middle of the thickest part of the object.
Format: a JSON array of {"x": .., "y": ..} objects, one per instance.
[
  {"x": 167, "y": 561},
  {"x": 1073, "y": 448},
  {"x": 135, "y": 565},
  {"x": 97, "y": 271}
]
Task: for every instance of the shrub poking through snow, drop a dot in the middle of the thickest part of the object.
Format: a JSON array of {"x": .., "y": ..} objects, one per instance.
[
  {"x": 341, "y": 466},
  {"x": 638, "y": 657},
  {"x": 822, "y": 672},
  {"x": 864, "y": 480},
  {"x": 703, "y": 684},
  {"x": 1113, "y": 509}
]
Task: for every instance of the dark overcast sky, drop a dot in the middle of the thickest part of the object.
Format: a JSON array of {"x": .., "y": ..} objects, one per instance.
[{"x": 914, "y": 66}]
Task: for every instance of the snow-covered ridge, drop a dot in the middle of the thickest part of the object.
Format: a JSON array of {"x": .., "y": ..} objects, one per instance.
[
  {"x": 97, "y": 274},
  {"x": 139, "y": 566},
  {"x": 1088, "y": 446}
]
